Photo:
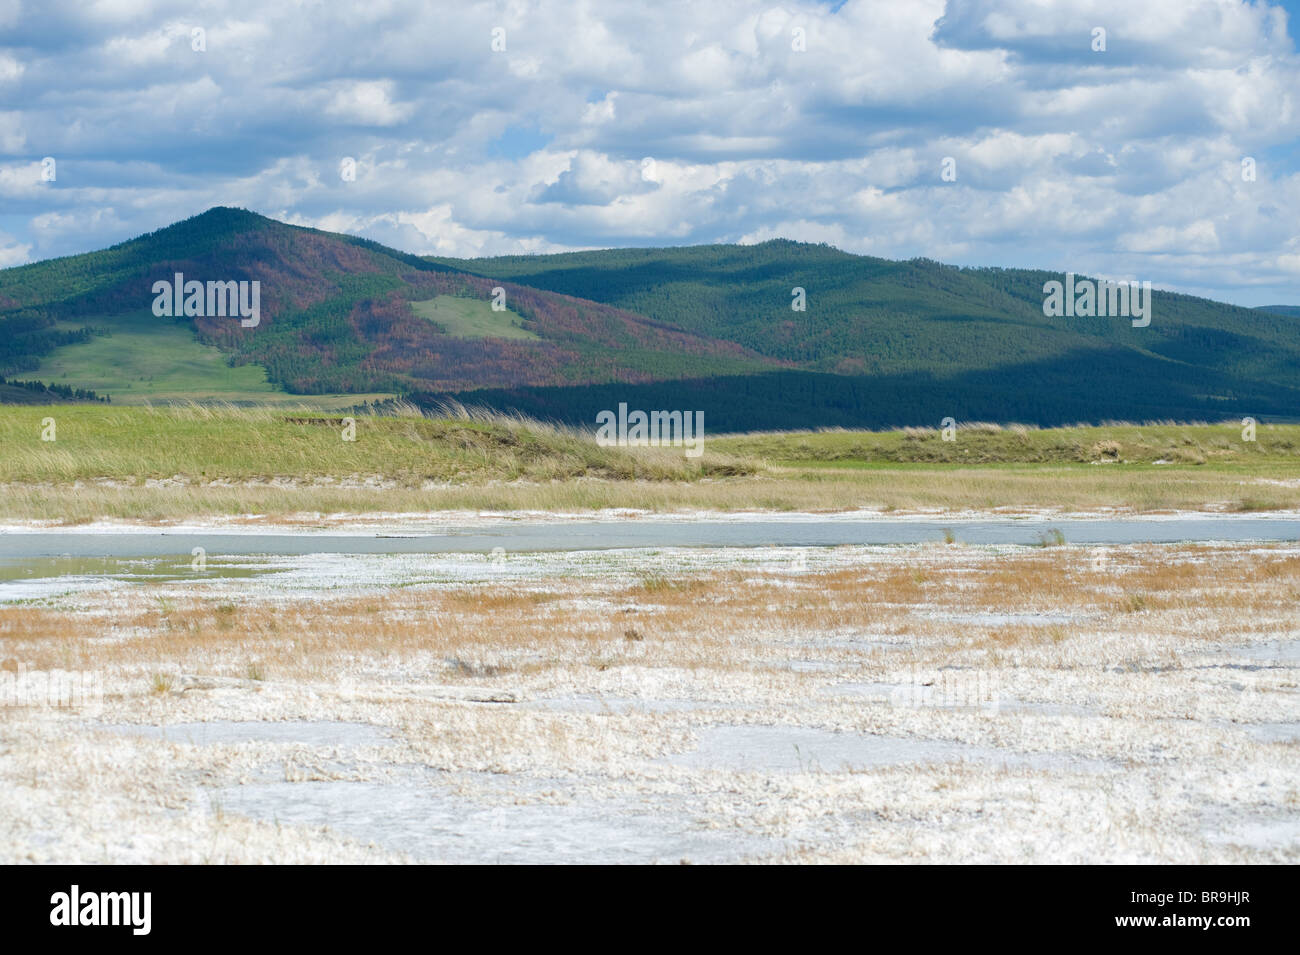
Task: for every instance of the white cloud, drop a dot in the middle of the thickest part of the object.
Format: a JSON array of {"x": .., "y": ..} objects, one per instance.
[
  {"x": 12, "y": 252},
  {"x": 13, "y": 140},
  {"x": 367, "y": 104},
  {"x": 1126, "y": 161}
]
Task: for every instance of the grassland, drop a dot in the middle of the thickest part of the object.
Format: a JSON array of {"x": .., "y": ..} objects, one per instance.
[
  {"x": 231, "y": 444},
  {"x": 159, "y": 463},
  {"x": 985, "y": 443},
  {"x": 471, "y": 318},
  {"x": 141, "y": 358}
]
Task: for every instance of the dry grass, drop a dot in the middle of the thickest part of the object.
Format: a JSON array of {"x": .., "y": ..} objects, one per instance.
[
  {"x": 778, "y": 489},
  {"x": 1225, "y": 443},
  {"x": 719, "y": 619}
]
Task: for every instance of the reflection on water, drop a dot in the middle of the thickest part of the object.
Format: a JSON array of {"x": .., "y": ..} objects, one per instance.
[
  {"x": 23, "y": 578},
  {"x": 518, "y": 538},
  {"x": 38, "y": 564}
]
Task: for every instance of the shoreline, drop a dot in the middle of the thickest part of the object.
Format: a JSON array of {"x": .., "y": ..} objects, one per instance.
[{"x": 378, "y": 523}]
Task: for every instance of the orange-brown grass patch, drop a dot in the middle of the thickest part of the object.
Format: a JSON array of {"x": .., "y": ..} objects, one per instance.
[{"x": 718, "y": 619}]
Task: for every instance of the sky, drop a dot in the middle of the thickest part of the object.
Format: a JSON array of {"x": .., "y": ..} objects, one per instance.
[{"x": 976, "y": 132}]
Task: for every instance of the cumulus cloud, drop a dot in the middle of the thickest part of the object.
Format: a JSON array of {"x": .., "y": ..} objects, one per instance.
[
  {"x": 367, "y": 103},
  {"x": 11, "y": 252},
  {"x": 588, "y": 125},
  {"x": 596, "y": 180}
]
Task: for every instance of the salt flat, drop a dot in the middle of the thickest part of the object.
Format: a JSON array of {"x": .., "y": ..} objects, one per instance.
[{"x": 928, "y": 702}]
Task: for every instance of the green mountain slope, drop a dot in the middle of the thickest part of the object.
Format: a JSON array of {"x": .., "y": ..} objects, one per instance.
[
  {"x": 899, "y": 342},
  {"x": 708, "y": 327},
  {"x": 338, "y": 314},
  {"x": 879, "y": 316}
]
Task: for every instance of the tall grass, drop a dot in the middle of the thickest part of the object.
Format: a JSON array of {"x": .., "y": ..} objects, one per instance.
[
  {"x": 985, "y": 443},
  {"x": 207, "y": 443},
  {"x": 166, "y": 462}
]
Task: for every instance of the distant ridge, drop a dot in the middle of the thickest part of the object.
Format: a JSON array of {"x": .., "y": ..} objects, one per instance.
[{"x": 878, "y": 342}]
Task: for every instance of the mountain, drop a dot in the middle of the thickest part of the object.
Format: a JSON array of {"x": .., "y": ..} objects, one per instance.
[
  {"x": 879, "y": 342},
  {"x": 895, "y": 342},
  {"x": 340, "y": 314}
]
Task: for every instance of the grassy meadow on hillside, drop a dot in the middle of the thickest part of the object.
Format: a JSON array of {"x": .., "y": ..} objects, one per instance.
[
  {"x": 139, "y": 357},
  {"x": 463, "y": 317}
]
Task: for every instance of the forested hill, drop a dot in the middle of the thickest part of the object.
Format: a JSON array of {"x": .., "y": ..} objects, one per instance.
[
  {"x": 884, "y": 342},
  {"x": 339, "y": 314},
  {"x": 876, "y": 316},
  {"x": 712, "y": 328}
]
